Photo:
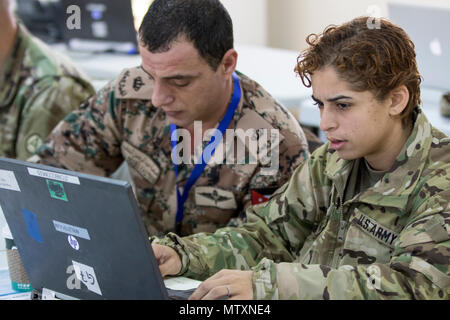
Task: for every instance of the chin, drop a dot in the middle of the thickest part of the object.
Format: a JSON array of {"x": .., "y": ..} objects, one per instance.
[
  {"x": 178, "y": 122},
  {"x": 348, "y": 155}
]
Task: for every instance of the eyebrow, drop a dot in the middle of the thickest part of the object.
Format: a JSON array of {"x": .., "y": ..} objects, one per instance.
[
  {"x": 332, "y": 99},
  {"x": 174, "y": 77},
  {"x": 180, "y": 77}
]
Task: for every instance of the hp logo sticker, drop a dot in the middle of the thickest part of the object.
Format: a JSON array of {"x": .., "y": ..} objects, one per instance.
[{"x": 73, "y": 242}]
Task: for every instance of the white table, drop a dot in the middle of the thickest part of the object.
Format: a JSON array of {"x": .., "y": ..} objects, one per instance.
[{"x": 6, "y": 291}]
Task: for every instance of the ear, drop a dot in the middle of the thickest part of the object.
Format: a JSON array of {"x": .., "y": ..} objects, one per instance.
[
  {"x": 399, "y": 100},
  {"x": 229, "y": 61}
]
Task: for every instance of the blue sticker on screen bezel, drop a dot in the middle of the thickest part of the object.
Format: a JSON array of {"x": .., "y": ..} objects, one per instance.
[{"x": 32, "y": 225}]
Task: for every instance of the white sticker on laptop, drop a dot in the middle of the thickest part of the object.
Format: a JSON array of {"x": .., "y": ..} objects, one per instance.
[
  {"x": 53, "y": 176},
  {"x": 72, "y": 230},
  {"x": 86, "y": 275},
  {"x": 8, "y": 180}
]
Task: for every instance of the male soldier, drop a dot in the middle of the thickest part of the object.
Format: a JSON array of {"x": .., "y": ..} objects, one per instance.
[
  {"x": 37, "y": 88},
  {"x": 186, "y": 76},
  {"x": 367, "y": 216}
]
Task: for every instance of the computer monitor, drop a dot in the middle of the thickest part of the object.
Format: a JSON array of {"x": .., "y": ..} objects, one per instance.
[{"x": 99, "y": 25}]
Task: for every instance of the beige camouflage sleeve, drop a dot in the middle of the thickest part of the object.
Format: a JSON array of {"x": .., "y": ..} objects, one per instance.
[
  {"x": 88, "y": 139},
  {"x": 50, "y": 101}
]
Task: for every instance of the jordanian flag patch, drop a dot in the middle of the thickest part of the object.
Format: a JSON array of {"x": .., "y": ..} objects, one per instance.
[{"x": 261, "y": 195}]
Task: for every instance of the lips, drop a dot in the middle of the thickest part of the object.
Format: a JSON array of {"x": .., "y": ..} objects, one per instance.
[{"x": 336, "y": 144}]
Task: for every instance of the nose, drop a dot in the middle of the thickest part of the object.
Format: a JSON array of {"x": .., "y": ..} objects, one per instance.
[
  {"x": 327, "y": 120},
  {"x": 161, "y": 95}
]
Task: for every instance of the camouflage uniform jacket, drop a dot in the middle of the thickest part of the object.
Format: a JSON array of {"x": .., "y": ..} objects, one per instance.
[
  {"x": 389, "y": 242},
  {"x": 38, "y": 88},
  {"x": 120, "y": 123}
]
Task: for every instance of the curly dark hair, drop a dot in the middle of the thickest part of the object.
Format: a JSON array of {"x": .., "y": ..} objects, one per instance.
[{"x": 374, "y": 59}]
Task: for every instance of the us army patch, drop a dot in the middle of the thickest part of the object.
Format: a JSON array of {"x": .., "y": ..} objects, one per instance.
[
  {"x": 374, "y": 229},
  {"x": 134, "y": 83},
  {"x": 141, "y": 162},
  {"x": 215, "y": 197},
  {"x": 33, "y": 142}
]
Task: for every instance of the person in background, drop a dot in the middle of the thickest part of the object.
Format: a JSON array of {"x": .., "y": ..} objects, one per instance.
[
  {"x": 38, "y": 88},
  {"x": 367, "y": 215},
  {"x": 185, "y": 86}
]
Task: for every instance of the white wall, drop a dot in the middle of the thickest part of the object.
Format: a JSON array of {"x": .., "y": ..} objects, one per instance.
[
  {"x": 290, "y": 21},
  {"x": 249, "y": 20}
]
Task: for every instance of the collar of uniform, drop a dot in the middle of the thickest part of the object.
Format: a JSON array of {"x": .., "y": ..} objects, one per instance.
[
  {"x": 10, "y": 78},
  {"x": 133, "y": 83},
  {"x": 337, "y": 170},
  {"x": 396, "y": 186},
  {"x": 394, "y": 189},
  {"x": 239, "y": 109}
]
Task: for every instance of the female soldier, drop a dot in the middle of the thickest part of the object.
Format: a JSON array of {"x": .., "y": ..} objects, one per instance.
[{"x": 367, "y": 216}]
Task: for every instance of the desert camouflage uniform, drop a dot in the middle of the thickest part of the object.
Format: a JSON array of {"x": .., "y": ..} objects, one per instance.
[
  {"x": 120, "y": 123},
  {"x": 38, "y": 88},
  {"x": 389, "y": 242}
]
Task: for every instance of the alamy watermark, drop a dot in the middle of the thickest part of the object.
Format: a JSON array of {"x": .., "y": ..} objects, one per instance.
[
  {"x": 374, "y": 22},
  {"x": 74, "y": 19},
  {"x": 235, "y": 147},
  {"x": 96, "y": 10}
]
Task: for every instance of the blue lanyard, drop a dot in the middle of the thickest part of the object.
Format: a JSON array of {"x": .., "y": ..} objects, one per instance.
[{"x": 199, "y": 167}]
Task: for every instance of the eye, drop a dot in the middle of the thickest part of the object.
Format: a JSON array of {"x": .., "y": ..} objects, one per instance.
[
  {"x": 343, "y": 106},
  {"x": 180, "y": 82},
  {"x": 318, "y": 104}
]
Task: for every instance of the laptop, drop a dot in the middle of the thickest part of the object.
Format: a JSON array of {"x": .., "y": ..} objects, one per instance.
[
  {"x": 80, "y": 236},
  {"x": 99, "y": 25},
  {"x": 428, "y": 26}
]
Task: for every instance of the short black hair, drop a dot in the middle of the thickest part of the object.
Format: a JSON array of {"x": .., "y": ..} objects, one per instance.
[{"x": 206, "y": 23}]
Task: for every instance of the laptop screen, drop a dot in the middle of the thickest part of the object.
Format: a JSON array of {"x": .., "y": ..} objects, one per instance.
[
  {"x": 78, "y": 235},
  {"x": 428, "y": 27}
]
